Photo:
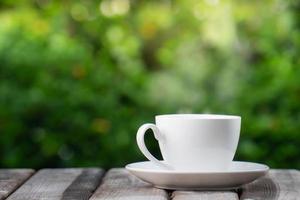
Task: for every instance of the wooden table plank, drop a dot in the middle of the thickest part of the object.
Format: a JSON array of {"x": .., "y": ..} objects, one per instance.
[
  {"x": 120, "y": 184},
  {"x": 203, "y": 195},
  {"x": 64, "y": 184},
  {"x": 278, "y": 184},
  {"x": 11, "y": 179}
]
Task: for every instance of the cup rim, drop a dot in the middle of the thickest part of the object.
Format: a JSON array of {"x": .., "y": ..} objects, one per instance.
[{"x": 198, "y": 116}]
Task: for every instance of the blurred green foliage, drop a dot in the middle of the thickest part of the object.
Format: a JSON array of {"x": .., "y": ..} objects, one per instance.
[{"x": 77, "y": 78}]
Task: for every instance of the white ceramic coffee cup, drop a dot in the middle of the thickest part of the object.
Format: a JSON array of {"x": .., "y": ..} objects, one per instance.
[{"x": 193, "y": 142}]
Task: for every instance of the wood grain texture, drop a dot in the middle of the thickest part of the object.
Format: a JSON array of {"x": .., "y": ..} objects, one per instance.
[
  {"x": 202, "y": 195},
  {"x": 276, "y": 185},
  {"x": 59, "y": 184},
  {"x": 120, "y": 184},
  {"x": 11, "y": 179}
]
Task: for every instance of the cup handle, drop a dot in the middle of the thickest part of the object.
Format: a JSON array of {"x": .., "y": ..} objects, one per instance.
[{"x": 141, "y": 143}]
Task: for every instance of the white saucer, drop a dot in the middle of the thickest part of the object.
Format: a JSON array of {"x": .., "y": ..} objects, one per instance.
[{"x": 239, "y": 174}]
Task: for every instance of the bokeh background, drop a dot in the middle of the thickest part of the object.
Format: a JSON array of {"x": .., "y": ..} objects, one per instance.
[{"x": 77, "y": 78}]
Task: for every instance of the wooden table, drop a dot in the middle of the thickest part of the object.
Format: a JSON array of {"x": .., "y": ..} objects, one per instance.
[{"x": 117, "y": 183}]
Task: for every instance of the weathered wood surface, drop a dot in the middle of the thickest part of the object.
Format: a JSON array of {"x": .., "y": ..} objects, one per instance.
[
  {"x": 11, "y": 179},
  {"x": 277, "y": 185},
  {"x": 119, "y": 184},
  {"x": 201, "y": 195},
  {"x": 59, "y": 184}
]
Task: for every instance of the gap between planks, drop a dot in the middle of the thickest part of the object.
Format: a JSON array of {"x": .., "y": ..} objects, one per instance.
[
  {"x": 59, "y": 184},
  {"x": 11, "y": 179},
  {"x": 119, "y": 184}
]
